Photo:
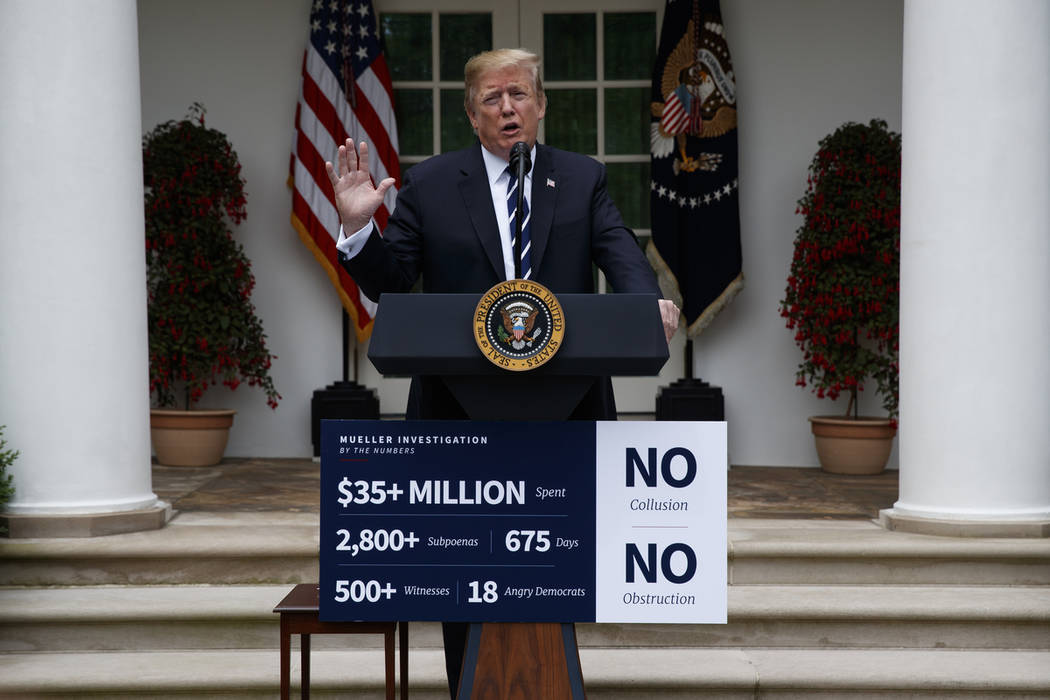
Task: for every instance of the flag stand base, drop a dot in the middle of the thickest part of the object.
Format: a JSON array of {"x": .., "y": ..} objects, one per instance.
[
  {"x": 341, "y": 400},
  {"x": 690, "y": 399}
]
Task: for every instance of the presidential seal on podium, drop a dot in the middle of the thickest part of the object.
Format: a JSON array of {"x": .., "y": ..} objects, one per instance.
[{"x": 518, "y": 325}]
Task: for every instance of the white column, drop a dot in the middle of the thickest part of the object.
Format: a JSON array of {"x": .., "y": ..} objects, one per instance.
[
  {"x": 73, "y": 351},
  {"x": 975, "y": 268}
]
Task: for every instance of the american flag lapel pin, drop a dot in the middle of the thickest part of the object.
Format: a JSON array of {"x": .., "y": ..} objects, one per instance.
[{"x": 550, "y": 182}]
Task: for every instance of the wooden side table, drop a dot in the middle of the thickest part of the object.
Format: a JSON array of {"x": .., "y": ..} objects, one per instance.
[{"x": 298, "y": 612}]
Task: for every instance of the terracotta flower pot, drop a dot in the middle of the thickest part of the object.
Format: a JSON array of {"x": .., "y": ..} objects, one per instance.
[
  {"x": 189, "y": 438},
  {"x": 853, "y": 445}
]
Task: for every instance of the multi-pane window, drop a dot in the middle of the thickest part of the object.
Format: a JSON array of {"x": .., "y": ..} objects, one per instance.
[
  {"x": 426, "y": 52},
  {"x": 597, "y": 69},
  {"x": 597, "y": 73}
]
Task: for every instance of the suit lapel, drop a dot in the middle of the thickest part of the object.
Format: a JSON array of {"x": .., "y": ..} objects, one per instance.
[
  {"x": 477, "y": 197},
  {"x": 544, "y": 197}
]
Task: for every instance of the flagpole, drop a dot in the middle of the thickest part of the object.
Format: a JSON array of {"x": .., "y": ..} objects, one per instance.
[
  {"x": 344, "y": 55},
  {"x": 346, "y": 345},
  {"x": 709, "y": 187},
  {"x": 356, "y": 345}
]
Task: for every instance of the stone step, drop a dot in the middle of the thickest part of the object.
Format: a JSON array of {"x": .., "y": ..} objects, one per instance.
[
  {"x": 862, "y": 552},
  {"x": 194, "y": 548},
  {"x": 114, "y": 618},
  {"x": 253, "y": 548},
  {"x": 919, "y": 617},
  {"x": 609, "y": 674}
]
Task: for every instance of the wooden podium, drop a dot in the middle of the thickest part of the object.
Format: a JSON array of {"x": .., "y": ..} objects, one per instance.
[
  {"x": 521, "y": 660},
  {"x": 605, "y": 335}
]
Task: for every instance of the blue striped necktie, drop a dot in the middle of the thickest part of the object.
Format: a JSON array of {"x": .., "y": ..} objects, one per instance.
[{"x": 512, "y": 205}]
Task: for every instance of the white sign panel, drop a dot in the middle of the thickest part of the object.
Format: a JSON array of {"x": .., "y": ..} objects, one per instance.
[{"x": 661, "y": 522}]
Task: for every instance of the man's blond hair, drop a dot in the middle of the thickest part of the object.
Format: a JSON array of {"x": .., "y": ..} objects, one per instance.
[{"x": 497, "y": 60}]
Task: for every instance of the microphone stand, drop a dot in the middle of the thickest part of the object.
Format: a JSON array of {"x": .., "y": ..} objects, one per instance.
[{"x": 520, "y": 164}]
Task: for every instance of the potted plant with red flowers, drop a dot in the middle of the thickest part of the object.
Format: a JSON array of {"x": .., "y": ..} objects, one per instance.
[
  {"x": 203, "y": 330},
  {"x": 842, "y": 296}
]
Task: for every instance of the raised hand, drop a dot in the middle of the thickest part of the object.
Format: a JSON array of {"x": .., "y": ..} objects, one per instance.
[{"x": 356, "y": 198}]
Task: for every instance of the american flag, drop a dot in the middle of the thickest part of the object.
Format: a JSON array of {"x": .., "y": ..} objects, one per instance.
[
  {"x": 346, "y": 93},
  {"x": 681, "y": 113}
]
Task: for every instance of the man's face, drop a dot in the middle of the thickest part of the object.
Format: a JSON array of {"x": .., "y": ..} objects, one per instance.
[{"x": 506, "y": 109}]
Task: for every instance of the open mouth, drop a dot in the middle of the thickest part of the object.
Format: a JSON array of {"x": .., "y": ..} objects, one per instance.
[{"x": 511, "y": 128}]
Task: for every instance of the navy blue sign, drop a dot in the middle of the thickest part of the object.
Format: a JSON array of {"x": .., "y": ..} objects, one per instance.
[{"x": 468, "y": 521}]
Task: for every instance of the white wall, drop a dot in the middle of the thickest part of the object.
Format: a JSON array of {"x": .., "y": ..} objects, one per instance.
[{"x": 803, "y": 67}]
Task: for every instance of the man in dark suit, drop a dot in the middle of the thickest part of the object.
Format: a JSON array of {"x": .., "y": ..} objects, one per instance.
[
  {"x": 451, "y": 225},
  {"x": 447, "y": 226}
]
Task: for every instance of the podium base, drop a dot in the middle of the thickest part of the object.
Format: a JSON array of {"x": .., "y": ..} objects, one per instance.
[
  {"x": 690, "y": 399},
  {"x": 341, "y": 400},
  {"x": 521, "y": 660}
]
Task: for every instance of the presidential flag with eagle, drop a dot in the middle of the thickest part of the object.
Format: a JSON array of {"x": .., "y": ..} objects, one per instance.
[{"x": 695, "y": 246}]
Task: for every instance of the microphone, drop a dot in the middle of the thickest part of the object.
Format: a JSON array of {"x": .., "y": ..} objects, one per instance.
[
  {"x": 520, "y": 163},
  {"x": 520, "y": 160}
]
